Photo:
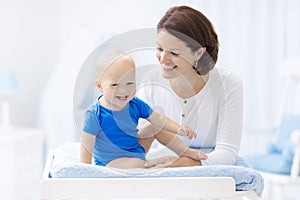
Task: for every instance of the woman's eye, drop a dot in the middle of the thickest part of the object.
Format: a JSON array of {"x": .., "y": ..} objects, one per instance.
[
  {"x": 174, "y": 53},
  {"x": 130, "y": 83},
  {"x": 159, "y": 49}
]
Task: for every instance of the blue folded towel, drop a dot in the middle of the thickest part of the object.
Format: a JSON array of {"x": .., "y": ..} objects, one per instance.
[
  {"x": 66, "y": 165},
  {"x": 280, "y": 154}
]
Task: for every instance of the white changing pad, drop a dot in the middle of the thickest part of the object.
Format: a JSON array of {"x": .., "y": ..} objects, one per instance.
[{"x": 66, "y": 164}]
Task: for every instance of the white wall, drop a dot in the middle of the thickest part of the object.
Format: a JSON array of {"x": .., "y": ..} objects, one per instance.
[
  {"x": 33, "y": 34},
  {"x": 29, "y": 39}
]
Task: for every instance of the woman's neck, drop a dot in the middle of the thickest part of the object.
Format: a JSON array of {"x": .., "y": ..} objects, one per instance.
[{"x": 186, "y": 88}]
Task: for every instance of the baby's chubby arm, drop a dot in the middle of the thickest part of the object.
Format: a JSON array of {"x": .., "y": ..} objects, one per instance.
[
  {"x": 87, "y": 147},
  {"x": 165, "y": 123}
]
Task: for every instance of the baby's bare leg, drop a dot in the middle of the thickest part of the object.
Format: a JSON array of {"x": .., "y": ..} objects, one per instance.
[
  {"x": 149, "y": 132},
  {"x": 147, "y": 135},
  {"x": 126, "y": 163}
]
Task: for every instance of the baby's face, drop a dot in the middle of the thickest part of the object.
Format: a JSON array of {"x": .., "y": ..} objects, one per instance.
[{"x": 118, "y": 84}]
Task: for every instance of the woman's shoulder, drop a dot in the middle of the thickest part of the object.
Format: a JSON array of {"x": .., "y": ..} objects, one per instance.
[
  {"x": 221, "y": 79},
  {"x": 227, "y": 76}
]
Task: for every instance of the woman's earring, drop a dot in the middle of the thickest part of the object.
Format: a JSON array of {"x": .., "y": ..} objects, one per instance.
[{"x": 195, "y": 64}]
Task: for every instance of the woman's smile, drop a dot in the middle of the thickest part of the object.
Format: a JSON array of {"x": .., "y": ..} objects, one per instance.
[{"x": 168, "y": 68}]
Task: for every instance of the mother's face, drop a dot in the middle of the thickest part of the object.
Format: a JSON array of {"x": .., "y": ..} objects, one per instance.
[{"x": 175, "y": 57}]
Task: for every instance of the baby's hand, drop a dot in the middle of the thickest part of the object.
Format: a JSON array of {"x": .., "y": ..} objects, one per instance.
[
  {"x": 186, "y": 131},
  {"x": 194, "y": 154}
]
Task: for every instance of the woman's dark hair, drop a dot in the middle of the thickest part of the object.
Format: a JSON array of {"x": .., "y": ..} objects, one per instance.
[{"x": 193, "y": 28}]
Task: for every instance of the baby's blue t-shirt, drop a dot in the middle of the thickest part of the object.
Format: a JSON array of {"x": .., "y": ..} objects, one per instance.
[{"x": 116, "y": 131}]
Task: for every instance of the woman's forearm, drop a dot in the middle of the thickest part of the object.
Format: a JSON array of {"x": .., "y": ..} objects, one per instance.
[
  {"x": 172, "y": 161},
  {"x": 185, "y": 162}
]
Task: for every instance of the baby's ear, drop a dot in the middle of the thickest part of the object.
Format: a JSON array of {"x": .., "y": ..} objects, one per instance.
[{"x": 98, "y": 85}]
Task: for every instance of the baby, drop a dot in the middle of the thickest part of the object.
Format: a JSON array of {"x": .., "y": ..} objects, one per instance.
[{"x": 110, "y": 131}]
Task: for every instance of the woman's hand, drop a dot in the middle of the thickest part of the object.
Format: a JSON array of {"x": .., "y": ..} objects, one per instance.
[{"x": 194, "y": 154}]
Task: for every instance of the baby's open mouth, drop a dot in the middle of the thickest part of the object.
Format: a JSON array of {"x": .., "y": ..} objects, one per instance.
[{"x": 122, "y": 98}]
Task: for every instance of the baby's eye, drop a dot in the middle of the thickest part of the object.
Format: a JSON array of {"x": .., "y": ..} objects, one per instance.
[{"x": 114, "y": 84}]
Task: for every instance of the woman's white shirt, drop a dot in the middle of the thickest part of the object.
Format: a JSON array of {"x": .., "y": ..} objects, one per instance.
[{"x": 215, "y": 113}]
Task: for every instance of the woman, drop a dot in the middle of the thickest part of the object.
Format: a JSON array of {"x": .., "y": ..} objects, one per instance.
[{"x": 192, "y": 92}]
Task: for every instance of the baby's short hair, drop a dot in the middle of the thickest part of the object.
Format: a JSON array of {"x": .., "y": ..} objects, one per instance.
[{"x": 106, "y": 58}]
